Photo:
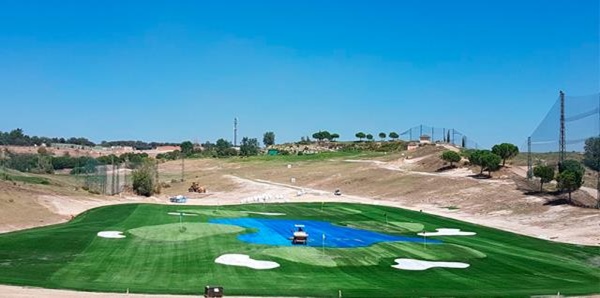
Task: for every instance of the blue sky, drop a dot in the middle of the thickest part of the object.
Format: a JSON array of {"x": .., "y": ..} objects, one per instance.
[{"x": 182, "y": 70}]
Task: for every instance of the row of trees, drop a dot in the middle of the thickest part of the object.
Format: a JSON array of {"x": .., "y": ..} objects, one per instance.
[
  {"x": 382, "y": 135},
  {"x": 487, "y": 160},
  {"x": 42, "y": 162},
  {"x": 569, "y": 178},
  {"x": 17, "y": 137}
]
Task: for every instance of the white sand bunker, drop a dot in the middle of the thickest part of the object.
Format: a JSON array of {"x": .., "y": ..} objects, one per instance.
[
  {"x": 412, "y": 264},
  {"x": 447, "y": 232},
  {"x": 111, "y": 234},
  {"x": 182, "y": 213},
  {"x": 265, "y": 213},
  {"x": 245, "y": 261}
]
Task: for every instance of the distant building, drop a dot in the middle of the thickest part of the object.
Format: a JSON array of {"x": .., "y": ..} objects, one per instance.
[
  {"x": 425, "y": 139},
  {"x": 412, "y": 146}
]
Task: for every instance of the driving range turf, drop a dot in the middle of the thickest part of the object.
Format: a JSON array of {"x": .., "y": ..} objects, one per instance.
[{"x": 159, "y": 256}]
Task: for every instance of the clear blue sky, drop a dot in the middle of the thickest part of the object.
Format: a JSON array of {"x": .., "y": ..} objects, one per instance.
[{"x": 182, "y": 70}]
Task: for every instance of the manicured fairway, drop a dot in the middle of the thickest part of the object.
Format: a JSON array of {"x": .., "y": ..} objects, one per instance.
[{"x": 166, "y": 253}]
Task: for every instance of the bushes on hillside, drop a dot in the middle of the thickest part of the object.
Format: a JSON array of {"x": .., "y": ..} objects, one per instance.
[{"x": 144, "y": 180}]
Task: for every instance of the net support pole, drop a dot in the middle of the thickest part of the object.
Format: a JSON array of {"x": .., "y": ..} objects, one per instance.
[
  {"x": 562, "y": 143},
  {"x": 529, "y": 160}
]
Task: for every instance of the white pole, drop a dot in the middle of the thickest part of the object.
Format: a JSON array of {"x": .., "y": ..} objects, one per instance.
[{"x": 323, "y": 245}]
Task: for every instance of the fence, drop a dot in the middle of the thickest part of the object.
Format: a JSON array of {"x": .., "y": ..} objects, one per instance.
[{"x": 439, "y": 135}]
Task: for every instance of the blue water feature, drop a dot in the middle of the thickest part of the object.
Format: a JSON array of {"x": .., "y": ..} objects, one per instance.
[{"x": 278, "y": 232}]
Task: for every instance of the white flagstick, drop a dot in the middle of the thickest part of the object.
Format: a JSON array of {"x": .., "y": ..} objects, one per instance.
[{"x": 323, "y": 244}]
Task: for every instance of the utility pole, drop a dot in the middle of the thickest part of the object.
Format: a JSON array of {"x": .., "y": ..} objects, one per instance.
[{"x": 562, "y": 143}]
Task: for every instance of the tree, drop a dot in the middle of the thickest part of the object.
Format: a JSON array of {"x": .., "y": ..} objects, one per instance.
[
  {"x": 568, "y": 181},
  {"x": 451, "y": 157},
  {"x": 464, "y": 142},
  {"x": 491, "y": 162},
  {"x": 570, "y": 177},
  {"x": 505, "y": 151},
  {"x": 249, "y": 147},
  {"x": 269, "y": 138},
  {"x": 224, "y": 148},
  {"x": 591, "y": 158},
  {"x": 144, "y": 183},
  {"x": 334, "y": 136},
  {"x": 360, "y": 135},
  {"x": 448, "y": 137},
  {"x": 382, "y": 136},
  {"x": 545, "y": 173},
  {"x": 486, "y": 160},
  {"x": 187, "y": 148},
  {"x": 475, "y": 158},
  {"x": 573, "y": 166},
  {"x": 322, "y": 135},
  {"x": 370, "y": 137},
  {"x": 393, "y": 135}
]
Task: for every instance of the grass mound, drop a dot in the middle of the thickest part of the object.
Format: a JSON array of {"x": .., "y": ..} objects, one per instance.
[{"x": 182, "y": 232}]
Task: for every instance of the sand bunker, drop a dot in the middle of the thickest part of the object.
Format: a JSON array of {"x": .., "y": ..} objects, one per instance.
[
  {"x": 111, "y": 234},
  {"x": 447, "y": 232},
  {"x": 245, "y": 261},
  {"x": 412, "y": 264},
  {"x": 265, "y": 213},
  {"x": 182, "y": 213}
]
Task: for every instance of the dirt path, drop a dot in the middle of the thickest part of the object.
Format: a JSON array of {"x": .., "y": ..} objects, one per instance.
[{"x": 406, "y": 166}]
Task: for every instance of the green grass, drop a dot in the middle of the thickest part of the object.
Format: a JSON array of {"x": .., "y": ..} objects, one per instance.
[
  {"x": 158, "y": 257},
  {"x": 12, "y": 175}
]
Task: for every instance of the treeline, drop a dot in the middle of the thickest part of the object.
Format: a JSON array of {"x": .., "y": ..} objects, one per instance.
[
  {"x": 222, "y": 148},
  {"x": 138, "y": 145},
  {"x": 45, "y": 164},
  {"x": 17, "y": 137}
]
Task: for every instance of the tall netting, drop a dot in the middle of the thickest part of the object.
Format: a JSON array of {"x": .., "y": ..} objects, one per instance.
[
  {"x": 439, "y": 135},
  {"x": 105, "y": 179},
  {"x": 581, "y": 121}
]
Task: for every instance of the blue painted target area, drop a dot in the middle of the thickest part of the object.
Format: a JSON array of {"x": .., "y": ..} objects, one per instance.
[{"x": 279, "y": 232}]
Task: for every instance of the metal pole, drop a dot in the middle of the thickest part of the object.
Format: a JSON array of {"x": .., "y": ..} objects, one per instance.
[
  {"x": 444, "y": 134},
  {"x": 182, "y": 166},
  {"x": 235, "y": 122},
  {"x": 598, "y": 162},
  {"x": 529, "y": 160},
  {"x": 562, "y": 143}
]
